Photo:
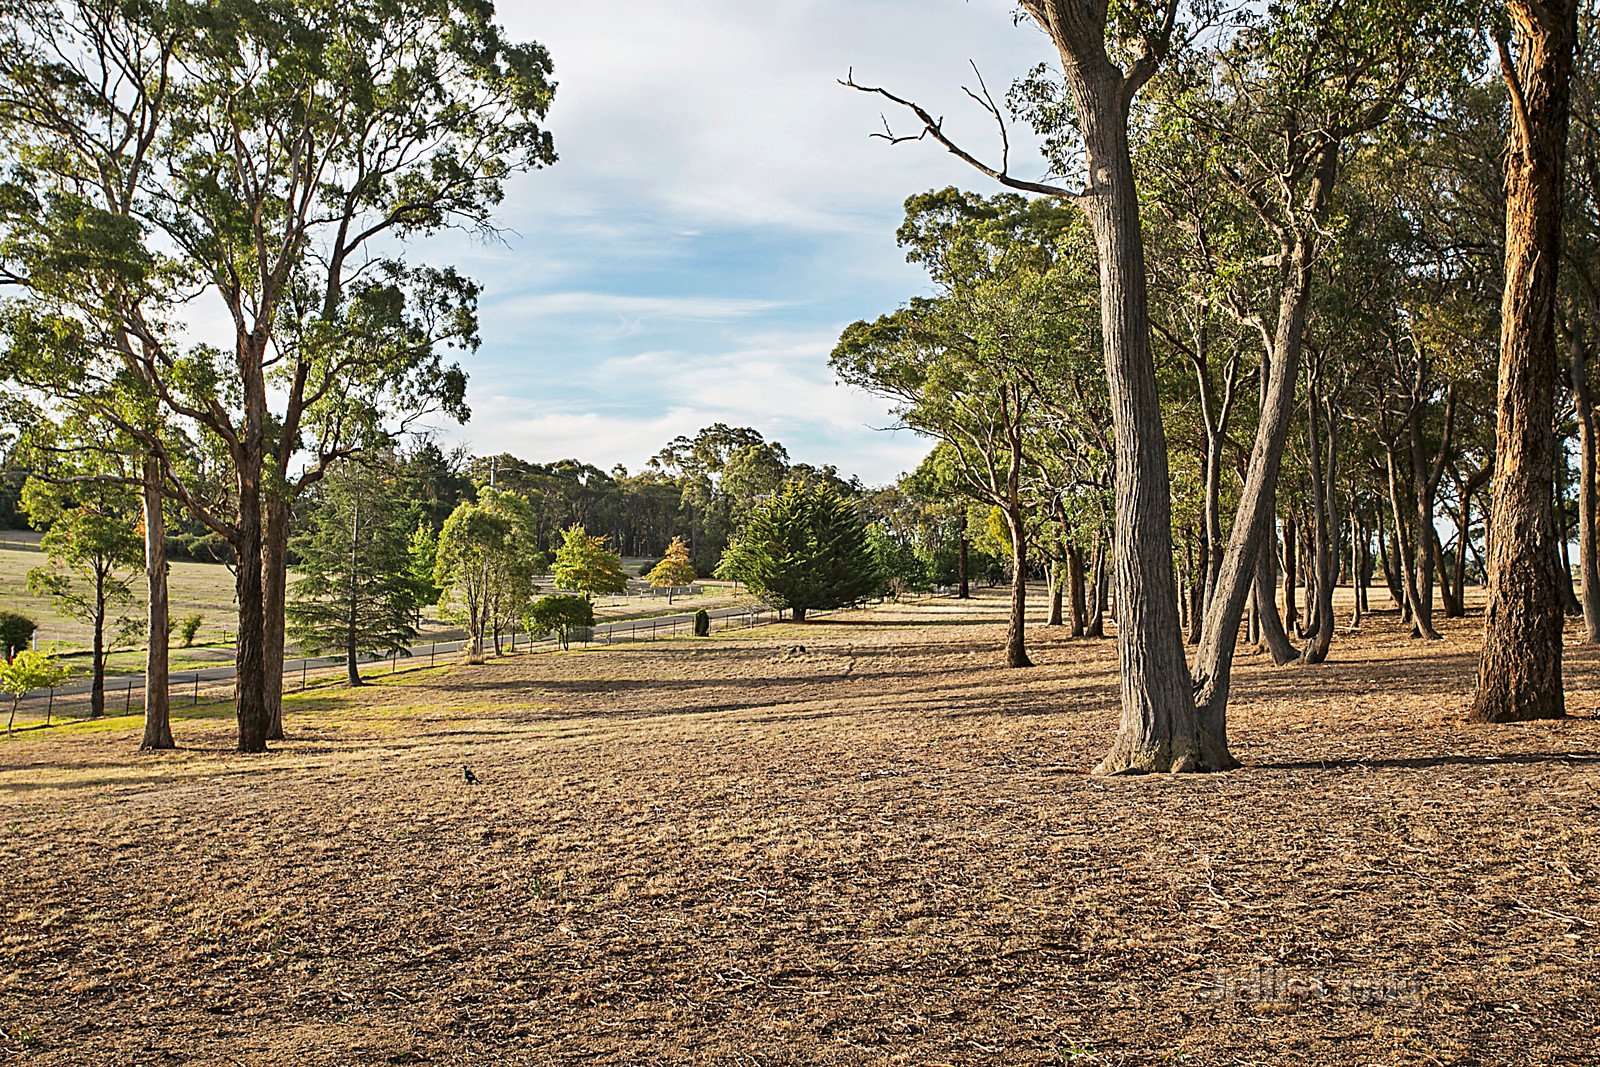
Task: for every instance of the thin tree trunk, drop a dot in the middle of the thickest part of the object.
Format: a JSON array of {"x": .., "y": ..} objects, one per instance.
[
  {"x": 1358, "y": 551},
  {"x": 274, "y": 592},
  {"x": 1075, "y": 591},
  {"x": 1095, "y": 625},
  {"x": 1324, "y": 570},
  {"x": 1016, "y": 635},
  {"x": 1268, "y": 628},
  {"x": 1057, "y": 596},
  {"x": 1291, "y": 582},
  {"x": 157, "y": 705},
  {"x": 1588, "y": 510},
  {"x": 97, "y": 666},
  {"x": 1569, "y": 597},
  {"x": 1519, "y": 672},
  {"x": 963, "y": 580}
]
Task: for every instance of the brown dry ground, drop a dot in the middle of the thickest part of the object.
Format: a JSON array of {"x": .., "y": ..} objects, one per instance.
[{"x": 884, "y": 849}]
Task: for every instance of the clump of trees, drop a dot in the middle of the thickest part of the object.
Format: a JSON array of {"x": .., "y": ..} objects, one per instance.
[
  {"x": 485, "y": 567},
  {"x": 1302, "y": 259},
  {"x": 156, "y": 168}
]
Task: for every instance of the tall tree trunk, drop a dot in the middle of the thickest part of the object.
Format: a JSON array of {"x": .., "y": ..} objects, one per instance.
[
  {"x": 1056, "y": 596},
  {"x": 1450, "y": 592},
  {"x": 1075, "y": 591},
  {"x": 1199, "y": 578},
  {"x": 1358, "y": 564},
  {"x": 1264, "y": 592},
  {"x": 97, "y": 664},
  {"x": 1408, "y": 557},
  {"x": 1324, "y": 571},
  {"x": 1519, "y": 672},
  {"x": 1160, "y": 729},
  {"x": 1291, "y": 578},
  {"x": 1016, "y": 627},
  {"x": 1095, "y": 625},
  {"x": 963, "y": 578},
  {"x": 352, "y": 666},
  {"x": 274, "y": 591},
  {"x": 157, "y": 704},
  {"x": 1588, "y": 510}
]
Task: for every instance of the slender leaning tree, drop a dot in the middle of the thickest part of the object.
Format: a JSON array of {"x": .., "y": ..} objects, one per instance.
[{"x": 1519, "y": 673}]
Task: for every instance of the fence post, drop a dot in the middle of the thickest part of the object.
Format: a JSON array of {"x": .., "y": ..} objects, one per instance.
[
  {"x": 302, "y": 672},
  {"x": 196, "y": 688},
  {"x": 127, "y": 697},
  {"x": 431, "y": 650}
]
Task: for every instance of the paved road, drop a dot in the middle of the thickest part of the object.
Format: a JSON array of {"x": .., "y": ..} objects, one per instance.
[{"x": 631, "y": 629}]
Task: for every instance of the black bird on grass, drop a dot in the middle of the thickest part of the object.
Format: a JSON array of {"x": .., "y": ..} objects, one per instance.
[{"x": 466, "y": 772}]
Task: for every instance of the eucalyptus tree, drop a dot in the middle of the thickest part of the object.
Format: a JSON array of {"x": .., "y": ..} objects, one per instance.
[
  {"x": 92, "y": 545},
  {"x": 697, "y": 463},
  {"x": 973, "y": 365},
  {"x": 266, "y": 160},
  {"x": 1519, "y": 671},
  {"x": 1107, "y": 56}
]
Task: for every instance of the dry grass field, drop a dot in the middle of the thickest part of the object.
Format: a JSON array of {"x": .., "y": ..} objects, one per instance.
[{"x": 880, "y": 849}]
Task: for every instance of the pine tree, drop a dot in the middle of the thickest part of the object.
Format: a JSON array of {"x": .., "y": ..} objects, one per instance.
[
  {"x": 356, "y": 591},
  {"x": 806, "y": 548}
]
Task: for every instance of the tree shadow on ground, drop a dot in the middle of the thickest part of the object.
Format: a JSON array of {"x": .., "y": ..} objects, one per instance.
[{"x": 1417, "y": 762}]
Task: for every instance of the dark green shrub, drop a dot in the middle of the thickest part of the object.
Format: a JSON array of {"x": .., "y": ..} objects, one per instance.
[
  {"x": 16, "y": 632},
  {"x": 702, "y": 623},
  {"x": 191, "y": 626}
]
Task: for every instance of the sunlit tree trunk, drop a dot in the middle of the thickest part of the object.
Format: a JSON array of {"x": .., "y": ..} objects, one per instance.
[
  {"x": 157, "y": 707},
  {"x": 1588, "y": 553},
  {"x": 1519, "y": 672}
]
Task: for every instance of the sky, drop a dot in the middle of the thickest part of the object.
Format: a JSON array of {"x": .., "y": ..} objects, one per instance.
[{"x": 718, "y": 214}]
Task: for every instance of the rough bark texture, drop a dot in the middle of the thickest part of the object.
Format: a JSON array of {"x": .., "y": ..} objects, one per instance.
[
  {"x": 1519, "y": 672},
  {"x": 1056, "y": 616},
  {"x": 157, "y": 706},
  {"x": 1160, "y": 729}
]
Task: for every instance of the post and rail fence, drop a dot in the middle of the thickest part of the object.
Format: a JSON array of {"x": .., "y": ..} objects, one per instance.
[{"x": 191, "y": 688}]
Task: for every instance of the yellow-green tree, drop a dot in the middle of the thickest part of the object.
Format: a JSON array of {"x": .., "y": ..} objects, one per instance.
[
  {"x": 584, "y": 564},
  {"x": 675, "y": 570}
]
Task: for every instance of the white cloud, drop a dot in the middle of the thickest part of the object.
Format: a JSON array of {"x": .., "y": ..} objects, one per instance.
[
  {"x": 719, "y": 211},
  {"x": 781, "y": 385},
  {"x": 705, "y": 308}
]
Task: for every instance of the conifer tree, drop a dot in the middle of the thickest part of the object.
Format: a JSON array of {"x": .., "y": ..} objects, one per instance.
[
  {"x": 804, "y": 549},
  {"x": 356, "y": 591}
]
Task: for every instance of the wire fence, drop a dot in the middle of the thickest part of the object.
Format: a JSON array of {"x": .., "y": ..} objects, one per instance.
[{"x": 124, "y": 695}]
